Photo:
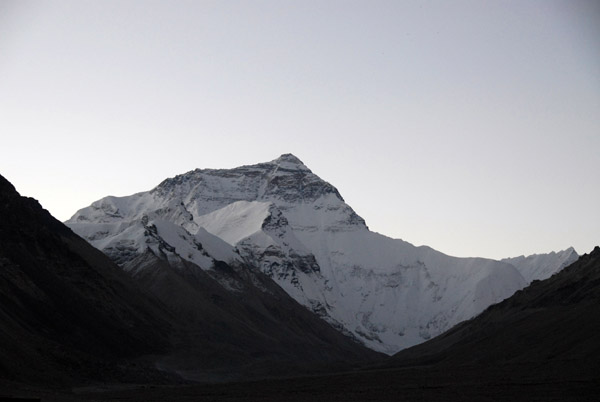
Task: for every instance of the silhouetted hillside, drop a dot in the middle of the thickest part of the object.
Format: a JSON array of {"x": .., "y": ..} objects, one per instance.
[{"x": 67, "y": 312}]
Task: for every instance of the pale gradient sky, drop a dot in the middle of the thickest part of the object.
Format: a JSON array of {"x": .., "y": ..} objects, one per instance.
[{"x": 469, "y": 126}]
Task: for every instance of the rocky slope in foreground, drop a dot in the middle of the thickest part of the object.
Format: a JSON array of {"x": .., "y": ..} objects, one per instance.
[
  {"x": 297, "y": 228},
  {"x": 67, "y": 312}
]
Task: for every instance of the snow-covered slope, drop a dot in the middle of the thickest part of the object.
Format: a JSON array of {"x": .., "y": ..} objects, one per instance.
[
  {"x": 543, "y": 266},
  {"x": 297, "y": 228},
  {"x": 126, "y": 240}
]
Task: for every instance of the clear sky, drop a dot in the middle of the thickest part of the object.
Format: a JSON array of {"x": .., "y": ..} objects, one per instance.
[{"x": 469, "y": 126}]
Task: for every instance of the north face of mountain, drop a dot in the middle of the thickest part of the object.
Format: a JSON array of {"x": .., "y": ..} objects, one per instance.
[{"x": 294, "y": 226}]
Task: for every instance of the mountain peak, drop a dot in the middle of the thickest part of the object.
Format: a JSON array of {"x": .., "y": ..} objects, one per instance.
[{"x": 289, "y": 159}]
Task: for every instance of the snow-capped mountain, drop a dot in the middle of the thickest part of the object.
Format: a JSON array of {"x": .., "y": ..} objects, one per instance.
[
  {"x": 543, "y": 266},
  {"x": 282, "y": 218}
]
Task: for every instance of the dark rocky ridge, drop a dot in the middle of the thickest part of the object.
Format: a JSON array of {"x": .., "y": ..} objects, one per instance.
[{"x": 67, "y": 312}]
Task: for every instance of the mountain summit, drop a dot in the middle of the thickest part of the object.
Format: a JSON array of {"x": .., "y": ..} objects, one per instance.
[
  {"x": 291, "y": 160},
  {"x": 295, "y": 227}
]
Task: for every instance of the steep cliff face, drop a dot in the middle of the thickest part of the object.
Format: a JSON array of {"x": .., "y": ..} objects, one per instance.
[{"x": 282, "y": 218}]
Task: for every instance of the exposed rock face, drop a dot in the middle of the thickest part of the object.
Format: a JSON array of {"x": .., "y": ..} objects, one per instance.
[{"x": 297, "y": 229}]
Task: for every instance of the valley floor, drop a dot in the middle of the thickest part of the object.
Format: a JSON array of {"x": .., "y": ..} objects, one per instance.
[{"x": 510, "y": 383}]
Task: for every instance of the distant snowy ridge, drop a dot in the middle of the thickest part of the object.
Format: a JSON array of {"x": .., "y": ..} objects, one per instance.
[
  {"x": 282, "y": 218},
  {"x": 543, "y": 266}
]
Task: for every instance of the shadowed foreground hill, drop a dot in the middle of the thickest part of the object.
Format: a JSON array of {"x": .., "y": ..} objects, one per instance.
[{"x": 67, "y": 312}]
